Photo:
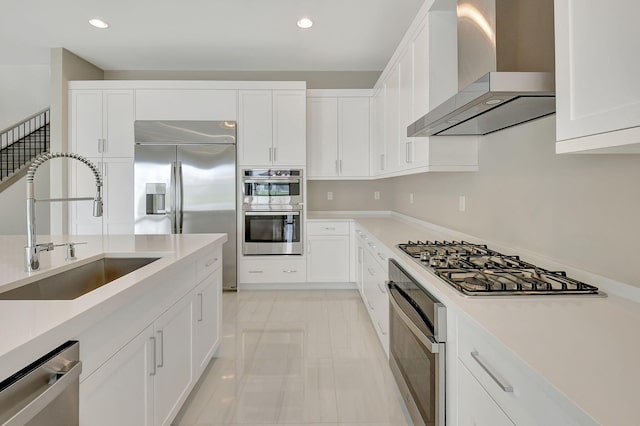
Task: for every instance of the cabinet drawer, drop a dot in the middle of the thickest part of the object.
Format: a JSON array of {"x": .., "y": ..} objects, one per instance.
[
  {"x": 523, "y": 395},
  {"x": 272, "y": 271},
  {"x": 209, "y": 263},
  {"x": 328, "y": 228}
]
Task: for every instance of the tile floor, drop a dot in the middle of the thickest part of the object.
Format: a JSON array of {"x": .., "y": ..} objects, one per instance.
[{"x": 295, "y": 358}]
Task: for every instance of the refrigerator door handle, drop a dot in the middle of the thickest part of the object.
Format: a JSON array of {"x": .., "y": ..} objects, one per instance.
[
  {"x": 179, "y": 198},
  {"x": 172, "y": 206}
]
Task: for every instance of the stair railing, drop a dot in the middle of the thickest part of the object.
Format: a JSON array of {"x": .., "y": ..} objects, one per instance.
[{"x": 22, "y": 142}]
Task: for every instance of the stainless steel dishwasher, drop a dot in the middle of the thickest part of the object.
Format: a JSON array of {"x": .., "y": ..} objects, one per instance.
[{"x": 46, "y": 392}]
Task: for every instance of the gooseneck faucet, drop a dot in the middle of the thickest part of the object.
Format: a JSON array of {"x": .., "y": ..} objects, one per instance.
[{"x": 32, "y": 251}]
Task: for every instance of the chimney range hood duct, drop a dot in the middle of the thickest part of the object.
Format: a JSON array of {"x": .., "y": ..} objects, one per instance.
[{"x": 505, "y": 69}]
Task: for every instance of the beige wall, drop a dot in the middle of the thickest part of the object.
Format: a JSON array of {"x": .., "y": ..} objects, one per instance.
[
  {"x": 581, "y": 210},
  {"x": 314, "y": 79},
  {"x": 65, "y": 66},
  {"x": 348, "y": 195}
]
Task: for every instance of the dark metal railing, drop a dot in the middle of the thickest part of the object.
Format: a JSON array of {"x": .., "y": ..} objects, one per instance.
[{"x": 20, "y": 143}]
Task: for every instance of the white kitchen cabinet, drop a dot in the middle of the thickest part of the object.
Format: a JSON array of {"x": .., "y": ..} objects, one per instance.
[
  {"x": 597, "y": 86},
  {"x": 120, "y": 392},
  {"x": 378, "y": 133},
  {"x": 328, "y": 251},
  {"x": 173, "y": 375},
  {"x": 475, "y": 406},
  {"x": 207, "y": 318},
  {"x": 375, "y": 294},
  {"x": 117, "y": 193},
  {"x": 186, "y": 104},
  {"x": 338, "y": 134},
  {"x": 391, "y": 88},
  {"x": 272, "y": 127},
  {"x": 267, "y": 271},
  {"x": 102, "y": 122}
]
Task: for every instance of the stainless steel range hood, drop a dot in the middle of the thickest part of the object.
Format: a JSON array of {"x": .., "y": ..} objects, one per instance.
[{"x": 505, "y": 69}]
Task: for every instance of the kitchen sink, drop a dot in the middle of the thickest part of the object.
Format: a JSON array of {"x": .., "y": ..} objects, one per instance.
[{"x": 75, "y": 282}]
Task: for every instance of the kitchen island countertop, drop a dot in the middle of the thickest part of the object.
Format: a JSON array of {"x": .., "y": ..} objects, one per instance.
[{"x": 31, "y": 328}]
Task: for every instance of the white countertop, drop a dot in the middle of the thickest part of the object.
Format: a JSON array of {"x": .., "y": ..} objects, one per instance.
[
  {"x": 31, "y": 328},
  {"x": 586, "y": 348}
]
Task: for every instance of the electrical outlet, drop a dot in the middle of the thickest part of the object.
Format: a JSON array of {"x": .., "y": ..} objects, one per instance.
[
  {"x": 411, "y": 198},
  {"x": 329, "y": 195},
  {"x": 376, "y": 195},
  {"x": 462, "y": 203}
]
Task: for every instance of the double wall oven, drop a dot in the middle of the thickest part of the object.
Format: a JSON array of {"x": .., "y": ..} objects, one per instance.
[{"x": 272, "y": 202}]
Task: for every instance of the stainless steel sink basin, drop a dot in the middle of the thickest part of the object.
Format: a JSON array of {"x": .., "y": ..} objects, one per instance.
[{"x": 75, "y": 282}]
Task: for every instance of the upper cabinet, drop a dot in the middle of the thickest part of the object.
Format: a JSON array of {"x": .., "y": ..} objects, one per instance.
[
  {"x": 338, "y": 134},
  {"x": 421, "y": 74},
  {"x": 102, "y": 122},
  {"x": 186, "y": 104},
  {"x": 272, "y": 127},
  {"x": 597, "y": 85}
]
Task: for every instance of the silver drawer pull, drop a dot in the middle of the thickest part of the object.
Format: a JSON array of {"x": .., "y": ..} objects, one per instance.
[
  {"x": 381, "y": 256},
  {"x": 381, "y": 288},
  {"x": 211, "y": 262},
  {"x": 290, "y": 271},
  {"x": 255, "y": 272},
  {"x": 328, "y": 228},
  {"x": 495, "y": 376},
  {"x": 384, "y": 333}
]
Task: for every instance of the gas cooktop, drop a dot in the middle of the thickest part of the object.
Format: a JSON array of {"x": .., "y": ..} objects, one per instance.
[{"x": 476, "y": 270}]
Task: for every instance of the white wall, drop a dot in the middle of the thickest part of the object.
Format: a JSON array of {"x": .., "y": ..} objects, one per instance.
[{"x": 24, "y": 90}]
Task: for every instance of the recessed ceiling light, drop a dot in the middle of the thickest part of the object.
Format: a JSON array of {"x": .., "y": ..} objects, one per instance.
[
  {"x": 304, "y": 23},
  {"x": 493, "y": 101},
  {"x": 99, "y": 23}
]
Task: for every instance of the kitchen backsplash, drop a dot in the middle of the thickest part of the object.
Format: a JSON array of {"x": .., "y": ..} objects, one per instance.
[{"x": 579, "y": 209}]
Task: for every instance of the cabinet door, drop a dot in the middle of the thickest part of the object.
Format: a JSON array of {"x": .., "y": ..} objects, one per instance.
[
  {"x": 354, "y": 128},
  {"x": 391, "y": 89},
  {"x": 475, "y": 406},
  {"x": 118, "y": 196},
  {"x": 207, "y": 316},
  {"x": 173, "y": 360},
  {"x": 322, "y": 137},
  {"x": 82, "y": 221},
  {"x": 255, "y": 127},
  {"x": 328, "y": 258},
  {"x": 186, "y": 104},
  {"x": 379, "y": 122},
  {"x": 597, "y": 86},
  {"x": 120, "y": 392},
  {"x": 86, "y": 122},
  {"x": 289, "y": 127},
  {"x": 117, "y": 123}
]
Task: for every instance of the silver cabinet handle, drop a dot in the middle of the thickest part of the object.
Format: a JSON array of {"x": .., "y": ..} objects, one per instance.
[
  {"x": 275, "y": 154},
  {"x": 290, "y": 271},
  {"x": 153, "y": 339},
  {"x": 384, "y": 333},
  {"x": 100, "y": 146},
  {"x": 506, "y": 387},
  {"x": 105, "y": 145},
  {"x": 200, "y": 297},
  {"x": 329, "y": 228},
  {"x": 255, "y": 272},
  {"x": 340, "y": 166},
  {"x": 381, "y": 288},
  {"x": 161, "y": 343},
  {"x": 381, "y": 161},
  {"x": 410, "y": 145},
  {"x": 406, "y": 152},
  {"x": 270, "y": 155},
  {"x": 360, "y": 249},
  {"x": 211, "y": 262},
  {"x": 371, "y": 271},
  {"x": 337, "y": 169},
  {"x": 381, "y": 256}
]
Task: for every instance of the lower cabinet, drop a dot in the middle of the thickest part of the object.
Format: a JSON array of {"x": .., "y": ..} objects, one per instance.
[
  {"x": 282, "y": 270},
  {"x": 328, "y": 252},
  {"x": 120, "y": 392},
  {"x": 475, "y": 406},
  {"x": 146, "y": 381},
  {"x": 376, "y": 298},
  {"x": 207, "y": 317}
]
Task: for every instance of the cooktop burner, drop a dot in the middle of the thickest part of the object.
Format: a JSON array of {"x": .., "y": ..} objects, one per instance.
[{"x": 476, "y": 270}]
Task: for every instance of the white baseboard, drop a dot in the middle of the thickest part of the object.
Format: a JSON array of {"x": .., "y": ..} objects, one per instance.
[{"x": 297, "y": 286}]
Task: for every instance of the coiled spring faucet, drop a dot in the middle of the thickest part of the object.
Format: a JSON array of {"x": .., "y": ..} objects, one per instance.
[{"x": 32, "y": 251}]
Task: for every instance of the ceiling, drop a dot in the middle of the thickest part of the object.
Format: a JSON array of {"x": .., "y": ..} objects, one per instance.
[{"x": 348, "y": 35}]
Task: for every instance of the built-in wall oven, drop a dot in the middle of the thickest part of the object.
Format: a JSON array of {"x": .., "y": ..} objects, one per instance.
[
  {"x": 272, "y": 212},
  {"x": 417, "y": 346}
]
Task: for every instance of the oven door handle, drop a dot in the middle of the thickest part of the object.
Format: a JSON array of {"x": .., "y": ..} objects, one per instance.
[
  {"x": 292, "y": 213},
  {"x": 271, "y": 180},
  {"x": 428, "y": 342}
]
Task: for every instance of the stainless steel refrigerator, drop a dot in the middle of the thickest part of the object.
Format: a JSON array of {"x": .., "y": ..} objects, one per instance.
[{"x": 185, "y": 182}]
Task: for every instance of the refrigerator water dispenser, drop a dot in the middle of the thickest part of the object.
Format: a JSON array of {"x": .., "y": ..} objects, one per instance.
[{"x": 156, "y": 194}]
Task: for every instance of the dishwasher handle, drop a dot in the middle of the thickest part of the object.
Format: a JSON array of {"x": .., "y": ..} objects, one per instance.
[{"x": 60, "y": 378}]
